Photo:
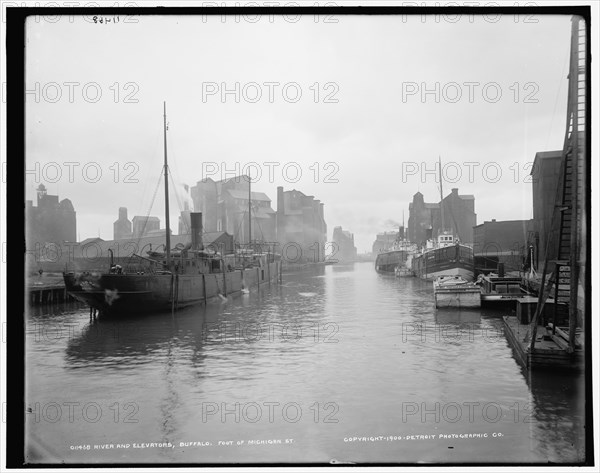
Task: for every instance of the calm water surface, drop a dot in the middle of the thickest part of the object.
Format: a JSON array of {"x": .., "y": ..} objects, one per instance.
[{"x": 336, "y": 364}]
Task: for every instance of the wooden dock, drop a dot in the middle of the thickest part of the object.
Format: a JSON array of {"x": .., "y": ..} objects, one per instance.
[
  {"x": 550, "y": 351},
  {"x": 47, "y": 294}
]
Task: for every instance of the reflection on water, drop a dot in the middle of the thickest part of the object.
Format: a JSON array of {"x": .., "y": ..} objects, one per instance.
[{"x": 338, "y": 362}]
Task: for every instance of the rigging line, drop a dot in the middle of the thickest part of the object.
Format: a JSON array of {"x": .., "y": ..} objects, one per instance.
[
  {"x": 139, "y": 239},
  {"x": 187, "y": 227},
  {"x": 237, "y": 230},
  {"x": 153, "y": 160},
  {"x": 174, "y": 153},
  {"x": 257, "y": 222}
]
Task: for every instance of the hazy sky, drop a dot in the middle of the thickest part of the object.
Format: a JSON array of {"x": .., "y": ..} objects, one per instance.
[{"x": 370, "y": 120}]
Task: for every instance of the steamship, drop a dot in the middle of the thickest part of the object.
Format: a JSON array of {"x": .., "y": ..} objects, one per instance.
[
  {"x": 395, "y": 257},
  {"x": 444, "y": 257},
  {"x": 171, "y": 279}
]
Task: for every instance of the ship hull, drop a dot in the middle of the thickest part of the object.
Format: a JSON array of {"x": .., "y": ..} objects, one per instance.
[
  {"x": 454, "y": 260},
  {"x": 388, "y": 261},
  {"x": 456, "y": 292},
  {"x": 144, "y": 293}
]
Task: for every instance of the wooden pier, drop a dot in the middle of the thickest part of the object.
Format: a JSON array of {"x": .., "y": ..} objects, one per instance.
[
  {"x": 551, "y": 349},
  {"x": 48, "y": 294}
]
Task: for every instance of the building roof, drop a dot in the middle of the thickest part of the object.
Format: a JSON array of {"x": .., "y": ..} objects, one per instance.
[
  {"x": 237, "y": 179},
  {"x": 213, "y": 236},
  {"x": 549, "y": 154},
  {"x": 90, "y": 240},
  {"x": 467, "y": 197},
  {"x": 237, "y": 194},
  {"x": 524, "y": 222},
  {"x": 66, "y": 204},
  {"x": 545, "y": 155},
  {"x": 150, "y": 219},
  {"x": 297, "y": 192}
]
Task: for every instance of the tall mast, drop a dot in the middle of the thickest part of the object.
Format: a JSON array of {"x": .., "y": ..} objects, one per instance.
[
  {"x": 167, "y": 223},
  {"x": 249, "y": 210},
  {"x": 441, "y": 196},
  {"x": 403, "y": 227}
]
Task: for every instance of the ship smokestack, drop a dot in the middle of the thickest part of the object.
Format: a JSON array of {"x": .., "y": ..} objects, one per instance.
[
  {"x": 196, "y": 223},
  {"x": 401, "y": 232}
]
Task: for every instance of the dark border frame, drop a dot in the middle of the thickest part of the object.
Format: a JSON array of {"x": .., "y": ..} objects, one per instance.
[{"x": 15, "y": 335}]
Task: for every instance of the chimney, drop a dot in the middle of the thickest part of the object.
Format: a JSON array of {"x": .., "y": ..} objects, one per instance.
[
  {"x": 322, "y": 214},
  {"x": 122, "y": 213},
  {"x": 196, "y": 223},
  {"x": 280, "y": 206},
  {"x": 455, "y": 191}
]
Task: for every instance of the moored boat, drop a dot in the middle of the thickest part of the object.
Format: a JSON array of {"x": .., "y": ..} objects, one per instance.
[
  {"x": 501, "y": 289},
  {"x": 446, "y": 257},
  {"x": 455, "y": 291},
  {"x": 395, "y": 257},
  {"x": 173, "y": 278}
]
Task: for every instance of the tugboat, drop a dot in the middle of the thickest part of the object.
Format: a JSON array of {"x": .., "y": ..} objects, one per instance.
[{"x": 168, "y": 280}]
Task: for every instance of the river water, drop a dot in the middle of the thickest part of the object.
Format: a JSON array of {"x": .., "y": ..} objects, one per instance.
[{"x": 337, "y": 364}]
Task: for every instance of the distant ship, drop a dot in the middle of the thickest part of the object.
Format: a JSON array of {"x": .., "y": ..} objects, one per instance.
[
  {"x": 172, "y": 279},
  {"x": 395, "y": 257}
]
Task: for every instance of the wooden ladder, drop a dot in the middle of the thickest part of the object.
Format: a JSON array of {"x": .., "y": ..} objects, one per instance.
[{"x": 564, "y": 272}]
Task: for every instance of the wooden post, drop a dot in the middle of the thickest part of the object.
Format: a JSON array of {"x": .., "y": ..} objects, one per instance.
[
  {"x": 172, "y": 292},
  {"x": 224, "y": 279},
  {"x": 204, "y": 286}
]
